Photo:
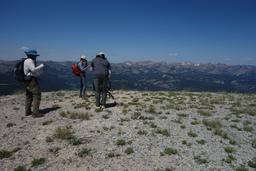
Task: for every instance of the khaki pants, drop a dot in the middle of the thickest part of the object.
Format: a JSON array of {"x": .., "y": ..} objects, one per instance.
[{"x": 33, "y": 97}]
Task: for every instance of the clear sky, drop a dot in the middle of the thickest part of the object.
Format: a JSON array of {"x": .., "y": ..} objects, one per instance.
[{"x": 160, "y": 30}]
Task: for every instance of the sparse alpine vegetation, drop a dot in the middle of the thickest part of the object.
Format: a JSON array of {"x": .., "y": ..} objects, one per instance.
[
  {"x": 164, "y": 132},
  {"x": 200, "y": 159},
  {"x": 229, "y": 159},
  {"x": 252, "y": 163},
  {"x": 75, "y": 115},
  {"x": 5, "y": 154},
  {"x": 129, "y": 150},
  {"x": 20, "y": 168},
  {"x": 84, "y": 152},
  {"x": 38, "y": 161},
  {"x": 169, "y": 151},
  {"x": 66, "y": 133},
  {"x": 192, "y": 134},
  {"x": 173, "y": 126},
  {"x": 120, "y": 142},
  {"x": 204, "y": 113}
]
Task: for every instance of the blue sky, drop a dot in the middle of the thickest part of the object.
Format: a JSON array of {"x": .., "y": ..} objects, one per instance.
[{"x": 160, "y": 30}]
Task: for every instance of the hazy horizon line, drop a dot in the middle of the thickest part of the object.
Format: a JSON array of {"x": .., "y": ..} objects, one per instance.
[{"x": 137, "y": 61}]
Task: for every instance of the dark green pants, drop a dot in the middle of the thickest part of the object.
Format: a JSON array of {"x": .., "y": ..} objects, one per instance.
[
  {"x": 100, "y": 85},
  {"x": 33, "y": 97}
]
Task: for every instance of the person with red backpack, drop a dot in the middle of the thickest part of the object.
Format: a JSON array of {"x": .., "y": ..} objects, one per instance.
[{"x": 82, "y": 66}]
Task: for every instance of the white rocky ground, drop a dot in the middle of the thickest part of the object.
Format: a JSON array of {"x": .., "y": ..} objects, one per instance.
[{"x": 145, "y": 131}]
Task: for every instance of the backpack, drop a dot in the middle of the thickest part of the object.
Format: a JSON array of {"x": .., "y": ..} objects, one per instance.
[
  {"x": 75, "y": 70},
  {"x": 18, "y": 70}
]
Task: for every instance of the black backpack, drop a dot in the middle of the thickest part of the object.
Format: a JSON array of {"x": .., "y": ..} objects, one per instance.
[{"x": 18, "y": 70}]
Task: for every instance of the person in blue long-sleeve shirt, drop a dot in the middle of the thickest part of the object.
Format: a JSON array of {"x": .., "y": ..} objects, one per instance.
[{"x": 82, "y": 65}]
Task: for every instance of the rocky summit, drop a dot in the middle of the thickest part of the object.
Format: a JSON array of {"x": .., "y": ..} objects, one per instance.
[{"x": 150, "y": 131}]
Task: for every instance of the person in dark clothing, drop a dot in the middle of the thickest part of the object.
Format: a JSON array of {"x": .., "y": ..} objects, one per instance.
[{"x": 101, "y": 70}]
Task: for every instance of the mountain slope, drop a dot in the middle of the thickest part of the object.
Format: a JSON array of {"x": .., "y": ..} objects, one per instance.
[{"x": 145, "y": 75}]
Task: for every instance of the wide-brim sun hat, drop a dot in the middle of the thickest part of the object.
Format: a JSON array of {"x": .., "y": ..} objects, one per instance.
[
  {"x": 83, "y": 57},
  {"x": 101, "y": 53},
  {"x": 31, "y": 52}
]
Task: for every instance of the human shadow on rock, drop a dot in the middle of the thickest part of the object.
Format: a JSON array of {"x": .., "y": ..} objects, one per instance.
[{"x": 49, "y": 109}]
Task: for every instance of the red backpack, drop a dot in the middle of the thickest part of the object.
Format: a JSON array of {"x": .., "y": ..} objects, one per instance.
[{"x": 75, "y": 70}]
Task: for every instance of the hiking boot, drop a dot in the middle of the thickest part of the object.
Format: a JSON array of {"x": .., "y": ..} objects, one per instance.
[
  {"x": 28, "y": 113},
  {"x": 104, "y": 106}
]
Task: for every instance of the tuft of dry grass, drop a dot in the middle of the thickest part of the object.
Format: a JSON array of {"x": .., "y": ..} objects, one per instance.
[
  {"x": 75, "y": 115},
  {"x": 129, "y": 150},
  {"x": 84, "y": 152},
  {"x": 38, "y": 161},
  {"x": 120, "y": 142},
  {"x": 169, "y": 151},
  {"x": 164, "y": 132}
]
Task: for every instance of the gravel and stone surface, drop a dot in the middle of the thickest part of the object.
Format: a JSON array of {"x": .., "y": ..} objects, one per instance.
[{"x": 145, "y": 131}]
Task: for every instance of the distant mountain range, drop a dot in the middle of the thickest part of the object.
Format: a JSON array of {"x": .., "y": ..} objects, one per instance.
[{"x": 144, "y": 75}]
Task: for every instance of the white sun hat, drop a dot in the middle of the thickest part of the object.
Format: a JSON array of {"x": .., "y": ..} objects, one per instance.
[
  {"x": 83, "y": 57},
  {"x": 101, "y": 53}
]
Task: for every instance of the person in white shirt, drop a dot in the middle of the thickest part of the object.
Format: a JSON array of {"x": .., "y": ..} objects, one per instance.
[{"x": 33, "y": 91}]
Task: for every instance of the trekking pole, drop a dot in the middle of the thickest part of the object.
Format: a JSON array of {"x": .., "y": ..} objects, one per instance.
[{"x": 110, "y": 95}]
